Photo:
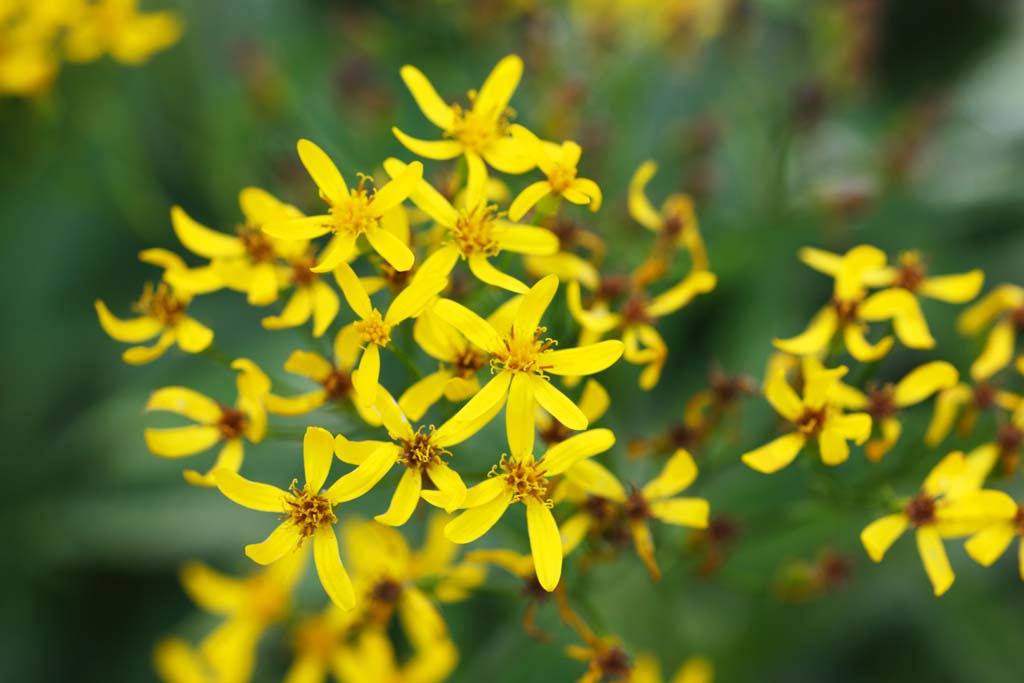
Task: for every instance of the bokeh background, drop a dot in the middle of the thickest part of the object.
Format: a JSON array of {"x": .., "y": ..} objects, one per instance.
[{"x": 792, "y": 122}]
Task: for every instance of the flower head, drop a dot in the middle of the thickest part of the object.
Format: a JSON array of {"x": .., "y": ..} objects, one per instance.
[
  {"x": 675, "y": 222},
  {"x": 558, "y": 164},
  {"x": 117, "y": 28},
  {"x": 1005, "y": 306}
]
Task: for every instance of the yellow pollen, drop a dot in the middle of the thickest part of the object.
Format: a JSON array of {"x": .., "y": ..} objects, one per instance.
[
  {"x": 561, "y": 177},
  {"x": 307, "y": 510},
  {"x": 160, "y": 302},
  {"x": 476, "y": 131},
  {"x": 523, "y": 478},
  {"x": 420, "y": 452},
  {"x": 374, "y": 330},
  {"x": 812, "y": 421},
  {"x": 523, "y": 355},
  {"x": 353, "y": 215},
  {"x": 472, "y": 231}
]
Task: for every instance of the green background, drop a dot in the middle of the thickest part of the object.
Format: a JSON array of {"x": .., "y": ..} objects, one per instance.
[{"x": 94, "y": 527}]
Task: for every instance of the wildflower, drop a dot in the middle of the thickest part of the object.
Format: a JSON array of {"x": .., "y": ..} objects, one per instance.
[
  {"x": 373, "y": 328},
  {"x": 676, "y": 222},
  {"x": 1005, "y": 305},
  {"x": 566, "y": 263},
  {"x": 336, "y": 379},
  {"x": 646, "y": 669},
  {"x": 29, "y": 60},
  {"x": 989, "y": 544},
  {"x": 311, "y": 298},
  {"x": 216, "y": 422},
  {"x": 818, "y": 414},
  {"x": 851, "y": 309},
  {"x": 421, "y": 451},
  {"x": 605, "y": 658},
  {"x": 318, "y": 642},
  {"x": 655, "y": 500},
  {"x": 247, "y": 261},
  {"x": 370, "y": 658},
  {"x": 306, "y": 511},
  {"x": 558, "y": 163},
  {"x": 477, "y": 232},
  {"x": 162, "y": 311},
  {"x": 480, "y": 133},
  {"x": 176, "y": 661},
  {"x": 883, "y": 403},
  {"x": 525, "y": 479},
  {"x": 351, "y": 213},
  {"x": 951, "y": 503},
  {"x": 982, "y": 396},
  {"x": 116, "y": 27},
  {"x": 249, "y": 605},
  {"x": 521, "y": 359}
]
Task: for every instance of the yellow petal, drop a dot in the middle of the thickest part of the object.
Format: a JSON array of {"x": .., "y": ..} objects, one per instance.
[
  {"x": 545, "y": 544},
  {"x": 140, "y": 355},
  {"x": 488, "y": 274},
  {"x": 187, "y": 402},
  {"x": 695, "y": 670},
  {"x": 418, "y": 398},
  {"x": 492, "y": 394},
  {"x": 524, "y": 239},
  {"x": 424, "y": 196},
  {"x": 333, "y": 576},
  {"x": 891, "y": 430},
  {"x": 679, "y": 472},
  {"x": 1000, "y": 299},
  {"x": 366, "y": 380},
  {"x": 566, "y": 454},
  {"x": 640, "y": 207},
  {"x": 229, "y": 458},
  {"x": 815, "y": 338},
  {"x": 304, "y": 228},
  {"x": 671, "y": 300},
  {"x": 404, "y": 500},
  {"x": 135, "y": 330},
  {"x": 583, "y": 360},
  {"x": 526, "y": 199},
  {"x": 323, "y": 171},
  {"x": 591, "y": 193},
  {"x": 860, "y": 348},
  {"x": 856, "y": 262},
  {"x": 476, "y": 521},
  {"x": 480, "y": 332},
  {"x": 340, "y": 249},
  {"x": 176, "y": 661},
  {"x": 923, "y": 381},
  {"x": 429, "y": 102},
  {"x": 503, "y": 154},
  {"x": 201, "y": 240},
  {"x": 782, "y": 397},
  {"x": 596, "y": 480},
  {"x": 317, "y": 454},
  {"x": 774, "y": 455},
  {"x": 411, "y": 300},
  {"x": 449, "y": 483},
  {"x": 497, "y": 89},
  {"x": 936, "y": 562},
  {"x": 691, "y": 512},
  {"x": 356, "y": 296},
  {"x": 594, "y": 400},
  {"x": 308, "y": 364},
  {"x": 954, "y": 289},
  {"x": 573, "y": 530},
  {"x": 998, "y": 351},
  {"x": 519, "y": 415},
  {"x": 557, "y": 404},
  {"x": 820, "y": 260},
  {"x": 365, "y": 476},
  {"x": 181, "y": 441},
  {"x": 250, "y": 494},
  {"x": 325, "y": 307},
  {"x": 296, "y": 311},
  {"x": 391, "y": 249},
  {"x": 429, "y": 149},
  {"x": 833, "y": 446},
  {"x": 986, "y": 546},
  {"x": 283, "y": 539},
  {"x": 879, "y": 536},
  {"x": 947, "y": 404}
]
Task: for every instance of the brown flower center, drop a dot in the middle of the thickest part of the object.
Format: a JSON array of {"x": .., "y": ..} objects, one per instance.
[
  {"x": 522, "y": 355},
  {"x": 308, "y": 510},
  {"x": 525, "y": 478},
  {"x": 420, "y": 452},
  {"x": 160, "y": 302},
  {"x": 812, "y": 421},
  {"x": 257, "y": 245},
  {"x": 920, "y": 510},
  {"x": 232, "y": 422}
]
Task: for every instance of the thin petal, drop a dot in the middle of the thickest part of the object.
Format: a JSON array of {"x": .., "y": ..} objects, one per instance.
[
  {"x": 558, "y": 404},
  {"x": 282, "y": 539},
  {"x": 135, "y": 330},
  {"x": 317, "y": 454},
  {"x": 923, "y": 381},
  {"x": 640, "y": 207},
  {"x": 251, "y": 494},
  {"x": 449, "y": 483},
  {"x": 678, "y": 473},
  {"x": 519, "y": 416},
  {"x": 986, "y": 546},
  {"x": 783, "y": 398},
  {"x": 476, "y": 521},
  {"x": 323, "y": 171},
  {"x": 488, "y": 274},
  {"x": 691, "y": 512},
  {"x": 596, "y": 480},
  {"x": 776, "y": 454},
  {"x": 184, "y": 401},
  {"x": 671, "y": 300},
  {"x": 306, "y": 228},
  {"x": 953, "y": 289},
  {"x": 356, "y": 296},
  {"x": 567, "y": 454},
  {"x": 411, "y": 300},
  {"x": 998, "y": 351},
  {"x": 229, "y": 458},
  {"x": 497, "y": 89},
  {"x": 364, "y": 477},
  {"x": 339, "y": 250},
  {"x": 397, "y": 190},
  {"x": 533, "y": 305},
  {"x": 833, "y": 446},
  {"x": 476, "y": 329},
  {"x": 545, "y": 544},
  {"x": 429, "y": 102},
  {"x": 860, "y": 348},
  {"x": 297, "y": 311},
  {"x": 815, "y": 338},
  {"x": 492, "y": 394},
  {"x": 980, "y": 314},
  {"x": 331, "y": 571},
  {"x": 423, "y": 195},
  {"x": 583, "y": 360},
  {"x": 429, "y": 149},
  {"x": 308, "y": 364},
  {"x": 526, "y": 199},
  {"x": 936, "y": 562},
  {"x": 418, "y": 398},
  {"x": 325, "y": 307},
  {"x": 201, "y": 240},
  {"x": 879, "y": 536},
  {"x": 366, "y": 379},
  {"x": 404, "y": 500},
  {"x": 181, "y": 441},
  {"x": 589, "y": 189},
  {"x": 524, "y": 239}
]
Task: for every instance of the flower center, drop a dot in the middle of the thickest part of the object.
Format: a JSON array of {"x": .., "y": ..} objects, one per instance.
[
  {"x": 985, "y": 395},
  {"x": 881, "y": 403},
  {"x": 636, "y": 507},
  {"x": 257, "y": 245},
  {"x": 812, "y": 421},
  {"x": 679, "y": 215},
  {"x": 386, "y": 591},
  {"x": 301, "y": 273},
  {"x": 338, "y": 384},
  {"x": 472, "y": 231},
  {"x": 561, "y": 177},
  {"x": 1018, "y": 521},
  {"x": 845, "y": 310},
  {"x": 232, "y": 422},
  {"x": 307, "y": 510},
  {"x": 353, "y": 214},
  {"x": 613, "y": 664},
  {"x": 524, "y": 478},
  {"x": 911, "y": 272},
  {"x": 374, "y": 329},
  {"x": 420, "y": 452},
  {"x": 467, "y": 362},
  {"x": 920, "y": 510},
  {"x": 523, "y": 355},
  {"x": 159, "y": 302},
  {"x": 1017, "y": 318},
  {"x": 476, "y": 132},
  {"x": 634, "y": 310},
  {"x": 1009, "y": 439}
]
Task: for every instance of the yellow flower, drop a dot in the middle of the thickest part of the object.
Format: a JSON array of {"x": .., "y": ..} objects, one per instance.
[
  {"x": 318, "y": 641},
  {"x": 656, "y": 500},
  {"x": 161, "y": 312},
  {"x": 370, "y": 658},
  {"x": 336, "y": 379},
  {"x": 951, "y": 503},
  {"x": 247, "y": 261},
  {"x": 29, "y": 58},
  {"x": 480, "y": 133},
  {"x": 988, "y": 545},
  {"x": 558, "y": 163},
  {"x": 883, "y": 403},
  {"x": 646, "y": 669},
  {"x": 521, "y": 359},
  {"x": 817, "y": 415},
  {"x": 676, "y": 222},
  {"x": 1005, "y": 305},
  {"x": 567, "y": 264},
  {"x": 249, "y": 606},
  {"x": 593, "y": 403},
  {"x": 118, "y": 28},
  {"x": 420, "y": 451},
  {"x": 637, "y": 314},
  {"x": 351, "y": 213},
  {"x": 980, "y": 397},
  {"x": 476, "y": 232},
  {"x": 311, "y": 298},
  {"x": 373, "y": 328},
  {"x": 216, "y": 422},
  {"x": 176, "y": 661},
  {"x": 851, "y": 309},
  {"x": 306, "y": 511},
  {"x": 524, "y": 479}
]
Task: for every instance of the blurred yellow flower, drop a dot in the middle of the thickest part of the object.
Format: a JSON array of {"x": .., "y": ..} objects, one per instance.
[
  {"x": 558, "y": 163},
  {"x": 1004, "y": 305},
  {"x": 118, "y": 28},
  {"x": 646, "y": 669},
  {"x": 676, "y": 222}
]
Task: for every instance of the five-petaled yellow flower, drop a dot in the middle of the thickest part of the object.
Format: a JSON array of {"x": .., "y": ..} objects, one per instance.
[
  {"x": 306, "y": 511},
  {"x": 676, "y": 222},
  {"x": 817, "y": 415},
  {"x": 525, "y": 479},
  {"x": 480, "y": 133},
  {"x": 558, "y": 163},
  {"x": 351, "y": 213},
  {"x": 1005, "y": 305},
  {"x": 217, "y": 423},
  {"x": 522, "y": 358},
  {"x": 951, "y": 503},
  {"x": 476, "y": 232}
]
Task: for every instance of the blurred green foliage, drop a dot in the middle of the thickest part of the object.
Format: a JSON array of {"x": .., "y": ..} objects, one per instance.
[{"x": 823, "y": 123}]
